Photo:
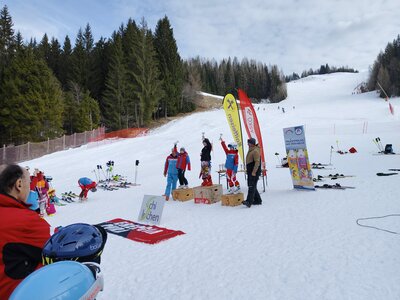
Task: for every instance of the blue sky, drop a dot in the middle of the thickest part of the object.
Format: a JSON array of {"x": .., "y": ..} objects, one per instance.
[{"x": 295, "y": 35}]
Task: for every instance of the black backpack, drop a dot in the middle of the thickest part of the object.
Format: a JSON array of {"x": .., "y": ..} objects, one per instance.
[{"x": 388, "y": 149}]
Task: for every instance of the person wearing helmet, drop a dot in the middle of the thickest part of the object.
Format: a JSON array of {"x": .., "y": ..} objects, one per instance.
[
  {"x": 231, "y": 165},
  {"x": 86, "y": 184},
  {"x": 171, "y": 172},
  {"x": 78, "y": 242},
  {"x": 67, "y": 280},
  {"x": 22, "y": 232},
  {"x": 182, "y": 162}
]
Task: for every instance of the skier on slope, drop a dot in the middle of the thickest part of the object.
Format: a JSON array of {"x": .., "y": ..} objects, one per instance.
[
  {"x": 231, "y": 165},
  {"x": 205, "y": 158},
  {"x": 171, "y": 170},
  {"x": 86, "y": 184},
  {"x": 182, "y": 162}
]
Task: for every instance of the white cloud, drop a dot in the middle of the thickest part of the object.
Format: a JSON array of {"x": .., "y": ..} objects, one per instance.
[{"x": 295, "y": 35}]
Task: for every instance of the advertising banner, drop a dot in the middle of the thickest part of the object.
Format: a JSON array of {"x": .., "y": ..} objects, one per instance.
[
  {"x": 297, "y": 155},
  {"x": 148, "y": 234},
  {"x": 251, "y": 124},
  {"x": 232, "y": 116},
  {"x": 151, "y": 210}
]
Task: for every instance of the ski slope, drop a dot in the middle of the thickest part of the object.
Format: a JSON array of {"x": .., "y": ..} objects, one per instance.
[{"x": 297, "y": 245}]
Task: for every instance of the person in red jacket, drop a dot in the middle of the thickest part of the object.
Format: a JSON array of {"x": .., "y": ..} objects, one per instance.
[
  {"x": 22, "y": 232},
  {"x": 181, "y": 163}
]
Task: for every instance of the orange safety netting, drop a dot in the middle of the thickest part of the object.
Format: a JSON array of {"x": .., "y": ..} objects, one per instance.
[{"x": 123, "y": 134}]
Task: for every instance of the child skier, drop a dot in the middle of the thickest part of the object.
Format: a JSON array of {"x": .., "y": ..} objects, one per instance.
[
  {"x": 205, "y": 158},
  {"x": 86, "y": 184},
  {"x": 182, "y": 162},
  {"x": 231, "y": 165},
  {"x": 172, "y": 172}
]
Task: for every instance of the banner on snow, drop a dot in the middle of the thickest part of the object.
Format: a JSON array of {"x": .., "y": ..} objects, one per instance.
[
  {"x": 296, "y": 151},
  {"x": 151, "y": 210},
  {"x": 232, "y": 116},
  {"x": 251, "y": 124},
  {"x": 148, "y": 234}
]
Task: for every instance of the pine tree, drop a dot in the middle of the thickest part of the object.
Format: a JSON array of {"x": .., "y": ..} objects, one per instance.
[
  {"x": 99, "y": 70},
  {"x": 79, "y": 71},
  {"x": 7, "y": 38},
  {"x": 114, "y": 94},
  {"x": 43, "y": 49},
  {"x": 33, "y": 110},
  {"x": 130, "y": 40},
  {"x": 149, "y": 90},
  {"x": 170, "y": 66},
  {"x": 65, "y": 70},
  {"x": 54, "y": 57}
]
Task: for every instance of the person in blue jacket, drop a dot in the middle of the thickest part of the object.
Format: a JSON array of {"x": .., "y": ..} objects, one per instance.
[
  {"x": 171, "y": 170},
  {"x": 86, "y": 184}
]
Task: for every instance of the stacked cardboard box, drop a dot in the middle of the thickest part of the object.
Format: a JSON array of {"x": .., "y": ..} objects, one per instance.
[
  {"x": 232, "y": 199},
  {"x": 207, "y": 194},
  {"x": 183, "y": 194}
]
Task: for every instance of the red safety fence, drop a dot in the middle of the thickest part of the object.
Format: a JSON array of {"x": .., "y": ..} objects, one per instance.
[
  {"x": 122, "y": 134},
  {"x": 14, "y": 154}
]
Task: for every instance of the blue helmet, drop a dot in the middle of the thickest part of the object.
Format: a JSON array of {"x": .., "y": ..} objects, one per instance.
[
  {"x": 67, "y": 280},
  {"x": 80, "y": 242}
]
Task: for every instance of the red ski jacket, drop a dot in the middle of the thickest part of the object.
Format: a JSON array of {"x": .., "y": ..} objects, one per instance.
[
  {"x": 183, "y": 161},
  {"x": 22, "y": 236}
]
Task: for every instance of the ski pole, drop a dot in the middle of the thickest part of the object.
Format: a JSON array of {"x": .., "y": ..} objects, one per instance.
[
  {"x": 380, "y": 143},
  {"x": 277, "y": 157},
  {"x": 136, "y": 167},
  {"x": 101, "y": 168},
  {"x": 94, "y": 171},
  {"x": 330, "y": 157},
  {"x": 376, "y": 144}
]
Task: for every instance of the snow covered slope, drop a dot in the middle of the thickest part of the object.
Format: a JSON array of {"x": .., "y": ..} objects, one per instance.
[{"x": 297, "y": 245}]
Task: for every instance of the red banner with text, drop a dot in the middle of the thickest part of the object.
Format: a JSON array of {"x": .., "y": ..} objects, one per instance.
[{"x": 148, "y": 234}]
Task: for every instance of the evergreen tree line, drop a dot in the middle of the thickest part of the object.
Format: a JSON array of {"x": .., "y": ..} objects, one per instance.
[
  {"x": 259, "y": 81},
  {"x": 386, "y": 71},
  {"x": 324, "y": 69},
  {"x": 49, "y": 88}
]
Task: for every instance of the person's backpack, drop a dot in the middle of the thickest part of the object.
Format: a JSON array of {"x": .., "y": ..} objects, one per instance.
[{"x": 388, "y": 149}]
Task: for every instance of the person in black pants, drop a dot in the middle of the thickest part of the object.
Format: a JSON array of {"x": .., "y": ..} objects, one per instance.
[{"x": 253, "y": 170}]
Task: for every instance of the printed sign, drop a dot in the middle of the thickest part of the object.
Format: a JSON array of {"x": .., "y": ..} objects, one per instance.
[
  {"x": 297, "y": 155},
  {"x": 151, "y": 210},
  {"x": 148, "y": 234}
]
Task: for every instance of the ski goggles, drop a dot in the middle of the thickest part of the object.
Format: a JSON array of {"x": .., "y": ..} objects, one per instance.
[
  {"x": 97, "y": 285},
  {"x": 48, "y": 259}
]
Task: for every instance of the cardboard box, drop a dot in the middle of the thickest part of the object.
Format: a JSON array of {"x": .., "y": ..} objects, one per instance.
[
  {"x": 207, "y": 194},
  {"x": 183, "y": 194},
  {"x": 232, "y": 199}
]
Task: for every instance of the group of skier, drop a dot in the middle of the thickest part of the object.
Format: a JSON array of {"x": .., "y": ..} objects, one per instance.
[{"x": 176, "y": 163}]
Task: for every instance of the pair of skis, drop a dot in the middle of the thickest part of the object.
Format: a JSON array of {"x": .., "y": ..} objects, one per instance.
[
  {"x": 331, "y": 177},
  {"x": 336, "y": 186},
  {"x": 69, "y": 197}
]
